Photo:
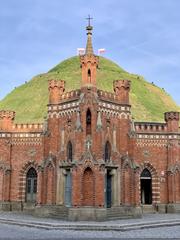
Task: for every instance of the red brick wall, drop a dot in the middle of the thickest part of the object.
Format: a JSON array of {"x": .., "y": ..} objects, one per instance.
[{"x": 88, "y": 188}]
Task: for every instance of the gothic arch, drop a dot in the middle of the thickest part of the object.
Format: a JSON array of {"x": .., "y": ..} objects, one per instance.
[
  {"x": 155, "y": 182},
  {"x": 22, "y": 179},
  {"x": 31, "y": 185},
  {"x": 146, "y": 186}
]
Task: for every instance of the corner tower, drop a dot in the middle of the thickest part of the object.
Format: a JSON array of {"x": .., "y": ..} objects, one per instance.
[{"x": 89, "y": 61}]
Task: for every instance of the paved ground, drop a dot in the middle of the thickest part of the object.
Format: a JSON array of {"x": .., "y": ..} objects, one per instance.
[{"x": 35, "y": 228}]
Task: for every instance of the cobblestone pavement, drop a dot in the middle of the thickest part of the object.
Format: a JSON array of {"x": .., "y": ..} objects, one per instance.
[{"x": 22, "y": 232}]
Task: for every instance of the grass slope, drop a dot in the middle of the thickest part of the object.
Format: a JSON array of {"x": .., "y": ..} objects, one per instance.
[{"x": 30, "y": 99}]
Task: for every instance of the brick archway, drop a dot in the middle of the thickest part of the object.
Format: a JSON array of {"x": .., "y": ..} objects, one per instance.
[
  {"x": 155, "y": 182},
  {"x": 22, "y": 179},
  {"x": 88, "y": 188}
]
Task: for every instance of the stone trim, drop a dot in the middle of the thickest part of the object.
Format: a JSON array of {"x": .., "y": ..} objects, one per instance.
[
  {"x": 5, "y": 135},
  {"x": 58, "y": 114},
  {"x": 112, "y": 106},
  {"x": 158, "y": 136},
  {"x": 111, "y": 113}
]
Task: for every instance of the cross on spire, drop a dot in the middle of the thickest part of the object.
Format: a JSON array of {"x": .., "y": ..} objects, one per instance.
[{"x": 89, "y": 18}]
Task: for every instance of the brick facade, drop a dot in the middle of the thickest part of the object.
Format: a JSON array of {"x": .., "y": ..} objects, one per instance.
[{"x": 89, "y": 151}]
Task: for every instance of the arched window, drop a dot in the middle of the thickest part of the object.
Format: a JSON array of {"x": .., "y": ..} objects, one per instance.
[
  {"x": 88, "y": 122},
  {"x": 31, "y": 185},
  {"x": 146, "y": 174},
  {"x": 107, "y": 152},
  {"x": 89, "y": 75},
  {"x": 69, "y": 151}
]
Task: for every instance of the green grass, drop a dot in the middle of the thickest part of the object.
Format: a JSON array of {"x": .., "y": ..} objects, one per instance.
[{"x": 30, "y": 99}]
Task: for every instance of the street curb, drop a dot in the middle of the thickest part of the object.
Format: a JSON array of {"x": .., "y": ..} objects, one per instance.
[{"x": 91, "y": 227}]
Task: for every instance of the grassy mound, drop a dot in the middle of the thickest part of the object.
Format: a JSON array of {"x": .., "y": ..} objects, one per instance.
[{"x": 29, "y": 100}]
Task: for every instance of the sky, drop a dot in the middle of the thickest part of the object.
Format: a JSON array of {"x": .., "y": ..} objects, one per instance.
[{"x": 142, "y": 36}]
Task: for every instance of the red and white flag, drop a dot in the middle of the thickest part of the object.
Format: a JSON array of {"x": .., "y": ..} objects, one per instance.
[
  {"x": 80, "y": 51},
  {"x": 101, "y": 51}
]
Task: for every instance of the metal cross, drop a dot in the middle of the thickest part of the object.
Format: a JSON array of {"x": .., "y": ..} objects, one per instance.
[
  {"x": 88, "y": 144},
  {"x": 89, "y": 20}
]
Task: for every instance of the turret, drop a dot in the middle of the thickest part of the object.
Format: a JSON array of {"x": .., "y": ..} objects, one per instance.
[
  {"x": 56, "y": 89},
  {"x": 121, "y": 89},
  {"x": 89, "y": 62},
  {"x": 6, "y": 120},
  {"x": 172, "y": 121}
]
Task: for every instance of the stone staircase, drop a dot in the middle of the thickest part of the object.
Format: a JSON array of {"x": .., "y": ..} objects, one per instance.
[
  {"x": 55, "y": 211},
  {"x": 122, "y": 213},
  {"x": 148, "y": 209},
  {"x": 29, "y": 208}
]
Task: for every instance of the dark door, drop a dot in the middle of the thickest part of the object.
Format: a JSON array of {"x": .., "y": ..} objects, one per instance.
[
  {"x": 68, "y": 188},
  {"x": 108, "y": 189},
  {"x": 31, "y": 185},
  {"x": 146, "y": 187}
]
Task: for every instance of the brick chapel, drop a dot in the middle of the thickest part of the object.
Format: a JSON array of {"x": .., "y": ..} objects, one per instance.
[{"x": 89, "y": 160}]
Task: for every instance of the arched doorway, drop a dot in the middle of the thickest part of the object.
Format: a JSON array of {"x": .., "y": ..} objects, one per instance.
[
  {"x": 146, "y": 187},
  {"x": 31, "y": 185},
  {"x": 88, "y": 188}
]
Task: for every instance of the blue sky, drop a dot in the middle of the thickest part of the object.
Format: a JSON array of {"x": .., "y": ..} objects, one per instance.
[{"x": 142, "y": 36}]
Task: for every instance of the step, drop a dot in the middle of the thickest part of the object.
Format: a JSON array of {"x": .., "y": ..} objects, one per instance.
[
  {"x": 148, "y": 209},
  {"x": 119, "y": 213}
]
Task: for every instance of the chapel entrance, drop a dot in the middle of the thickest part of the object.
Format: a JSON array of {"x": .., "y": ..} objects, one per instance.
[
  {"x": 108, "y": 189},
  {"x": 146, "y": 187},
  {"x": 31, "y": 185},
  {"x": 68, "y": 188},
  {"x": 88, "y": 188}
]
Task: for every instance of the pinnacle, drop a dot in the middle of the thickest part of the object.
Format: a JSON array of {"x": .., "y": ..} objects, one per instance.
[{"x": 89, "y": 47}]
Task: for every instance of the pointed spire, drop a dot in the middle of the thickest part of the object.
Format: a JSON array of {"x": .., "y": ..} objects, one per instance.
[
  {"x": 89, "y": 61},
  {"x": 89, "y": 47}
]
